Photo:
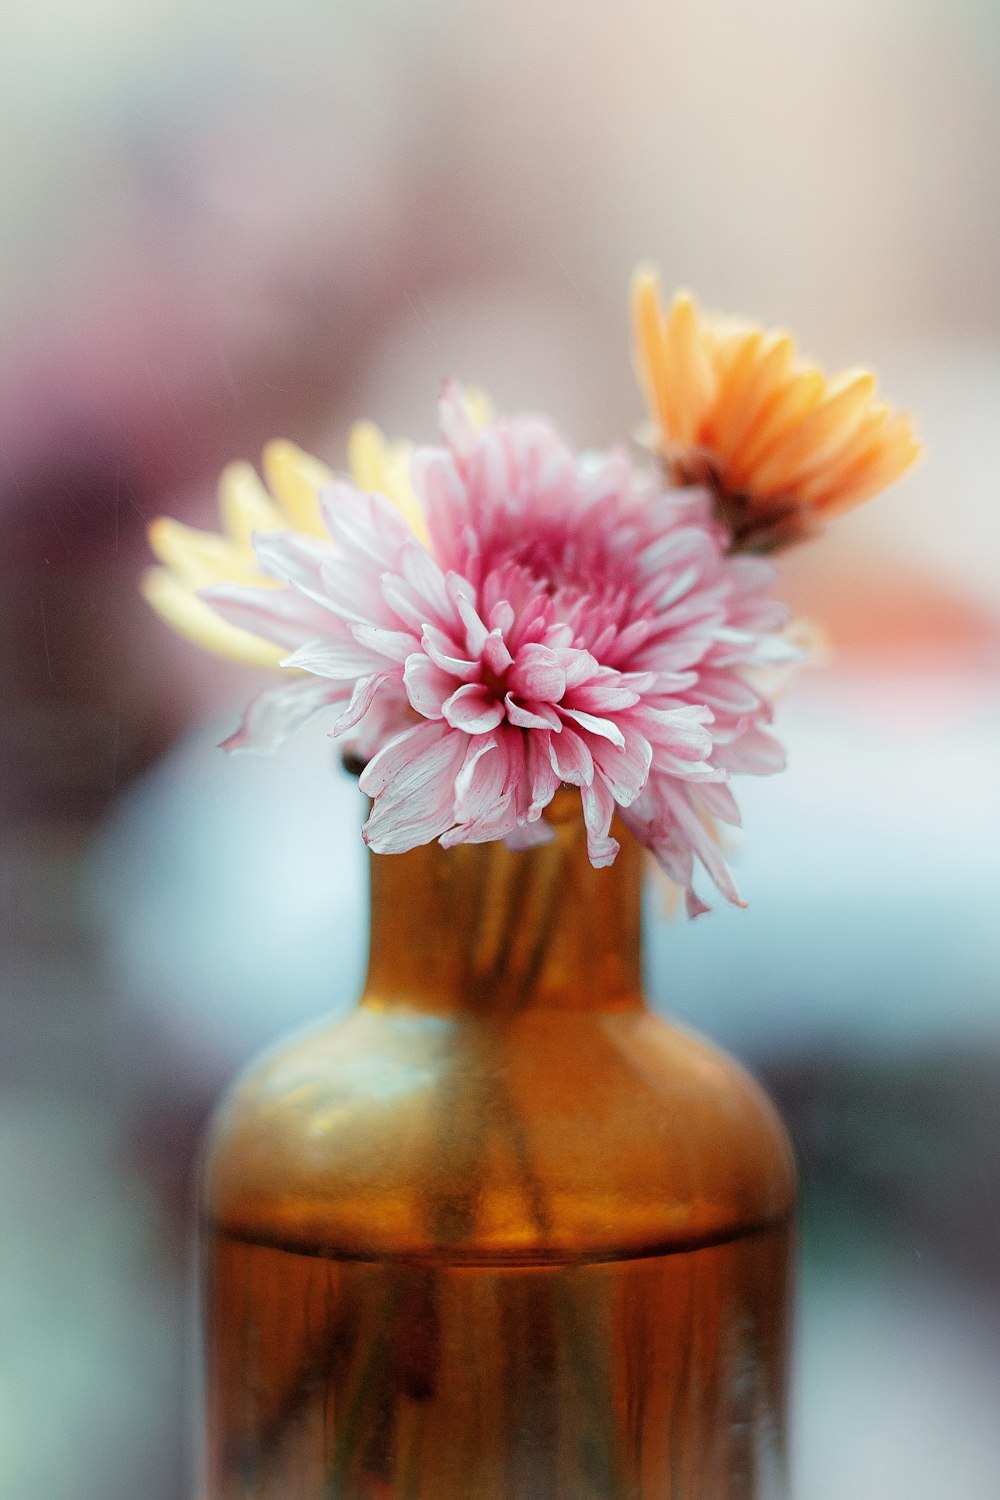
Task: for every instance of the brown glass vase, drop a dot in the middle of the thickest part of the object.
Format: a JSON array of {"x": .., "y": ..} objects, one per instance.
[{"x": 501, "y": 1233}]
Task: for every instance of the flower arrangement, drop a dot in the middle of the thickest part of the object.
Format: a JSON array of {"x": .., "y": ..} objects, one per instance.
[{"x": 493, "y": 617}]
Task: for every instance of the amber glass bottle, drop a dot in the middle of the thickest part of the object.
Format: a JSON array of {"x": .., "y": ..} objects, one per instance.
[{"x": 500, "y": 1234}]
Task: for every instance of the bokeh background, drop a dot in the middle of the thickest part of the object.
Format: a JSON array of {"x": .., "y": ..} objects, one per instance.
[{"x": 225, "y": 222}]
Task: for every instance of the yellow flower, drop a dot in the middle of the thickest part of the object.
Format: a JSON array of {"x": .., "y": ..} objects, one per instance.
[
  {"x": 193, "y": 560},
  {"x": 782, "y": 445}
]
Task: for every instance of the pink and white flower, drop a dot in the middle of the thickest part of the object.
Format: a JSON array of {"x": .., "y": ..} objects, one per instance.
[{"x": 568, "y": 621}]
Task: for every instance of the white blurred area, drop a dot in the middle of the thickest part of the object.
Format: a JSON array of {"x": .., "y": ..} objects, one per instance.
[{"x": 227, "y": 222}]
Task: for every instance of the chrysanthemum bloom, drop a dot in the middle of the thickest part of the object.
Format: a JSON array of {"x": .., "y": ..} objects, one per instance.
[
  {"x": 782, "y": 446},
  {"x": 560, "y": 620}
]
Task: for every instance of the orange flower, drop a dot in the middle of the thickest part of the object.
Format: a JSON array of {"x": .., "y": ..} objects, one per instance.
[{"x": 782, "y": 445}]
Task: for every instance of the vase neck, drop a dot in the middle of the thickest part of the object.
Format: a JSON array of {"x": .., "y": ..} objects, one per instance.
[{"x": 483, "y": 928}]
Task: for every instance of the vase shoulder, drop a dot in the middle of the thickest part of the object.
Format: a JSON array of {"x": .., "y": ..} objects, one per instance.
[{"x": 540, "y": 1136}]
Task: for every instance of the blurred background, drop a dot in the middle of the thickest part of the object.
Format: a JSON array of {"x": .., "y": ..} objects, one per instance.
[{"x": 224, "y": 223}]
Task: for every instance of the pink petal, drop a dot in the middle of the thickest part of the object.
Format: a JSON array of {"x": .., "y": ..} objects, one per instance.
[
  {"x": 425, "y": 577},
  {"x": 456, "y": 425},
  {"x": 598, "y": 810},
  {"x": 535, "y": 716},
  {"x": 753, "y": 575},
  {"x": 426, "y": 685},
  {"x": 281, "y": 615},
  {"x": 570, "y": 758},
  {"x": 681, "y": 730},
  {"x": 538, "y": 673},
  {"x": 652, "y": 826},
  {"x": 409, "y": 607},
  {"x": 494, "y": 797},
  {"x": 292, "y": 558},
  {"x": 488, "y": 475},
  {"x": 354, "y": 592},
  {"x": 369, "y": 526},
  {"x": 755, "y": 752},
  {"x": 718, "y": 799},
  {"x": 495, "y": 656},
  {"x": 544, "y": 462},
  {"x": 543, "y": 780},
  {"x": 530, "y": 835},
  {"x": 480, "y": 783},
  {"x": 498, "y": 777},
  {"x": 579, "y": 666},
  {"x": 604, "y": 693},
  {"x": 274, "y": 715},
  {"x": 676, "y": 549},
  {"x": 412, "y": 780},
  {"x": 474, "y": 709},
  {"x": 343, "y": 659},
  {"x": 726, "y": 693},
  {"x": 393, "y": 758},
  {"x": 361, "y": 701},
  {"x": 462, "y": 595},
  {"x": 678, "y": 586},
  {"x": 624, "y": 770},
  {"x": 445, "y": 654},
  {"x": 501, "y": 617},
  {"x": 394, "y": 645},
  {"x": 604, "y": 728},
  {"x": 677, "y": 803},
  {"x": 437, "y": 481},
  {"x": 693, "y": 904}
]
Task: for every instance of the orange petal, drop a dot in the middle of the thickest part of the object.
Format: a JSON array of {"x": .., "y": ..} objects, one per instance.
[
  {"x": 690, "y": 381},
  {"x": 817, "y": 436},
  {"x": 647, "y": 321},
  {"x": 761, "y": 367},
  {"x": 861, "y": 443},
  {"x": 785, "y": 407},
  {"x": 895, "y": 451}
]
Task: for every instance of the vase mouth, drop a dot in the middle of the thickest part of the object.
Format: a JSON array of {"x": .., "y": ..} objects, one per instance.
[{"x": 352, "y": 763}]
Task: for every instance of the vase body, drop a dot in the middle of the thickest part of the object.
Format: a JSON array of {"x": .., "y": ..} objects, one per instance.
[{"x": 501, "y": 1233}]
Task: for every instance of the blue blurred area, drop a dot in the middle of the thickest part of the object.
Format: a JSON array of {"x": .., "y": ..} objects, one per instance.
[{"x": 225, "y": 226}]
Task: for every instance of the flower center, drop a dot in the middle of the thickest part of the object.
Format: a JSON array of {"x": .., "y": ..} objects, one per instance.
[{"x": 495, "y": 683}]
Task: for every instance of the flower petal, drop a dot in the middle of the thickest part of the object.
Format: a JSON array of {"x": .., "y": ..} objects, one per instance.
[
  {"x": 624, "y": 770},
  {"x": 281, "y": 615},
  {"x": 326, "y": 657},
  {"x": 495, "y": 656},
  {"x": 598, "y": 810},
  {"x": 277, "y": 713},
  {"x": 570, "y": 758},
  {"x": 480, "y": 782},
  {"x": 474, "y": 709},
  {"x": 295, "y": 478},
  {"x": 193, "y": 618},
  {"x": 444, "y": 653},
  {"x": 535, "y": 716},
  {"x": 393, "y": 645},
  {"x": 538, "y": 673},
  {"x": 426, "y": 685},
  {"x": 292, "y": 558},
  {"x": 412, "y": 780},
  {"x": 361, "y": 701},
  {"x": 603, "y": 728}
]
